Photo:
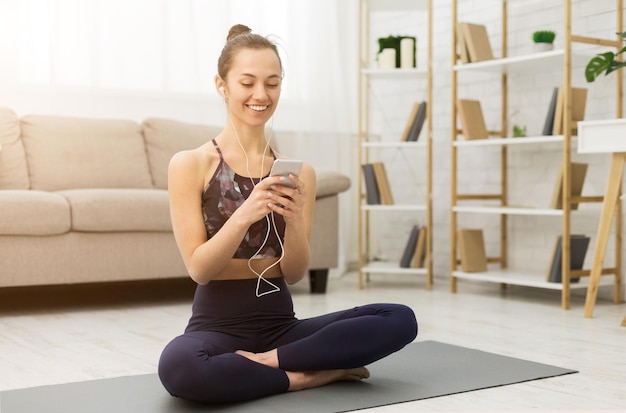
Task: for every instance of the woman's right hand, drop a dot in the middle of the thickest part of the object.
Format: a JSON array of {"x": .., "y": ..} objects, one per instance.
[{"x": 257, "y": 206}]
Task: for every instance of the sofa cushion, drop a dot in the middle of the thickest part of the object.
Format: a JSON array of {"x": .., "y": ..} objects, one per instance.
[
  {"x": 28, "y": 212},
  {"x": 110, "y": 210},
  {"x": 330, "y": 182},
  {"x": 165, "y": 137},
  {"x": 69, "y": 153},
  {"x": 13, "y": 170}
]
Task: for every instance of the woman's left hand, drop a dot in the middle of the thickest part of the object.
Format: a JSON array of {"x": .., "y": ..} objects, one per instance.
[{"x": 284, "y": 200}]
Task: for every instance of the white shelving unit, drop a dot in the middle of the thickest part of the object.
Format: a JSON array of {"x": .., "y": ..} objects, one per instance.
[
  {"x": 523, "y": 278},
  {"x": 555, "y": 61},
  {"x": 370, "y": 143}
]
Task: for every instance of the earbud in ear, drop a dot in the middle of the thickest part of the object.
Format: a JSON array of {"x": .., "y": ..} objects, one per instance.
[{"x": 222, "y": 91}]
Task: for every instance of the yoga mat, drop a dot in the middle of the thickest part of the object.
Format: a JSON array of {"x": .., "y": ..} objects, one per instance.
[{"x": 419, "y": 371}]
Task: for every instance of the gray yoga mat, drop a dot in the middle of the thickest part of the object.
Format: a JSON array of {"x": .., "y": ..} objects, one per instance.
[{"x": 419, "y": 371}]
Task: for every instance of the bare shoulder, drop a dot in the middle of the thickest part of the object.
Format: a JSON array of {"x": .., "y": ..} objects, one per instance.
[{"x": 193, "y": 163}]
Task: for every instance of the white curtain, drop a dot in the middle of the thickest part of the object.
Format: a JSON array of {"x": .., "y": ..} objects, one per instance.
[{"x": 166, "y": 51}]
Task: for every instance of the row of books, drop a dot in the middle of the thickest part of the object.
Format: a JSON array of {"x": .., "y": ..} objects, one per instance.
[
  {"x": 473, "y": 124},
  {"x": 555, "y": 119},
  {"x": 415, "y": 249},
  {"x": 474, "y": 259},
  {"x": 377, "y": 189},
  {"x": 415, "y": 122}
]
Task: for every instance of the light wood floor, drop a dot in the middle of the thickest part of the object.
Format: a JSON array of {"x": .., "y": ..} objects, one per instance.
[{"x": 57, "y": 335}]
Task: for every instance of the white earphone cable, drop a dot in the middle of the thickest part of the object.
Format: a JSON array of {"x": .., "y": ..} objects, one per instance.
[{"x": 260, "y": 275}]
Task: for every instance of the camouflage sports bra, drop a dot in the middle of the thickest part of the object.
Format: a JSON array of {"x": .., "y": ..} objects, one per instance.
[{"x": 225, "y": 192}]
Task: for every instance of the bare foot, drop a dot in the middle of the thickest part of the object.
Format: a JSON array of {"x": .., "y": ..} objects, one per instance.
[
  {"x": 307, "y": 379},
  {"x": 269, "y": 358},
  {"x": 310, "y": 379}
]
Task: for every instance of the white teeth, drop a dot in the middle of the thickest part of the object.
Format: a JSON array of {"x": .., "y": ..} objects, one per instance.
[{"x": 257, "y": 108}]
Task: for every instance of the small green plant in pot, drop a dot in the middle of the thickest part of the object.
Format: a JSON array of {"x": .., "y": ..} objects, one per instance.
[
  {"x": 604, "y": 62},
  {"x": 544, "y": 40}
]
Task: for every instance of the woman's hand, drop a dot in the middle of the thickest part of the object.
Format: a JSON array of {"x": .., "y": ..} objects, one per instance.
[
  {"x": 296, "y": 206},
  {"x": 284, "y": 200}
]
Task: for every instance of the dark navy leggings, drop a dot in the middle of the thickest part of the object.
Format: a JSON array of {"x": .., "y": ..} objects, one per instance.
[{"x": 200, "y": 365}]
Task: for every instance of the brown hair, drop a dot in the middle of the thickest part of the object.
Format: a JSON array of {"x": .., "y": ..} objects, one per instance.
[{"x": 241, "y": 37}]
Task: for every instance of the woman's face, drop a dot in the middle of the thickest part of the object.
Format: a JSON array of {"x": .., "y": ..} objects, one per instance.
[{"x": 253, "y": 86}]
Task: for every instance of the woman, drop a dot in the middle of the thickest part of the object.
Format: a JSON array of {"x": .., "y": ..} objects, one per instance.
[{"x": 244, "y": 237}]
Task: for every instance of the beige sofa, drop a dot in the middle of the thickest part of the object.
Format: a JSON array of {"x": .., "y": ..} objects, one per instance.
[{"x": 85, "y": 200}]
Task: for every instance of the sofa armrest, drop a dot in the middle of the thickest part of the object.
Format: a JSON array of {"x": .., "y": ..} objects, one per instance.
[{"x": 330, "y": 183}]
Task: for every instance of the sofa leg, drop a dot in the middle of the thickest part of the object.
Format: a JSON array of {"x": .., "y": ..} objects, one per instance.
[{"x": 318, "y": 280}]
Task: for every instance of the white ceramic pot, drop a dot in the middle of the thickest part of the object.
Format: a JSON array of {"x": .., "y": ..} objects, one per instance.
[{"x": 543, "y": 47}]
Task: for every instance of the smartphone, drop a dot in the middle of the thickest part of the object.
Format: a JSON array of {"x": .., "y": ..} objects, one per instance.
[{"x": 285, "y": 167}]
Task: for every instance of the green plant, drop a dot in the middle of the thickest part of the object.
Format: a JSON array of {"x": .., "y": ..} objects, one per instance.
[
  {"x": 519, "y": 131},
  {"x": 604, "y": 62},
  {"x": 544, "y": 36}
]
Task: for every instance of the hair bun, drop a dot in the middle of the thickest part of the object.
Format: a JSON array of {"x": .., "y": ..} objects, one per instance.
[{"x": 237, "y": 30}]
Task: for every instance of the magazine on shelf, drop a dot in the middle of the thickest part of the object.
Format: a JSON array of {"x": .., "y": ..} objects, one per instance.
[
  {"x": 372, "y": 195},
  {"x": 409, "y": 248},
  {"x": 382, "y": 182},
  {"x": 472, "y": 249},
  {"x": 578, "y": 173},
  {"x": 472, "y": 121},
  {"x": 420, "y": 249},
  {"x": 579, "y": 102},
  {"x": 476, "y": 40},
  {"x": 578, "y": 249},
  {"x": 418, "y": 123}
]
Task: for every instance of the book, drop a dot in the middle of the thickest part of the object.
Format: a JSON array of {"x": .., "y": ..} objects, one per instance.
[
  {"x": 410, "y": 121},
  {"x": 372, "y": 195},
  {"x": 416, "y": 128},
  {"x": 472, "y": 121},
  {"x": 472, "y": 249},
  {"x": 579, "y": 102},
  {"x": 462, "y": 47},
  {"x": 578, "y": 172},
  {"x": 476, "y": 40},
  {"x": 382, "y": 182},
  {"x": 420, "y": 249},
  {"x": 578, "y": 249},
  {"x": 549, "y": 123},
  {"x": 409, "y": 249}
]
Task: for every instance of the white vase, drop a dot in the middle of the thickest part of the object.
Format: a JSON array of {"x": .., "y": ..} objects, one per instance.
[
  {"x": 387, "y": 59},
  {"x": 542, "y": 47}
]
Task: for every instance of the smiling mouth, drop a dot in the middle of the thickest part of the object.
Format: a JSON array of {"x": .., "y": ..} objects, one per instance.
[{"x": 258, "y": 108}]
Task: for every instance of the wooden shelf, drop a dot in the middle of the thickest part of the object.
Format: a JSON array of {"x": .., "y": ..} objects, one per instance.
[
  {"x": 529, "y": 140},
  {"x": 525, "y": 63},
  {"x": 417, "y": 144},
  {"x": 372, "y": 148},
  {"x": 386, "y": 267},
  {"x": 374, "y": 73},
  {"x": 395, "y": 5},
  {"x": 394, "y": 207},
  {"x": 509, "y": 210},
  {"x": 527, "y": 279},
  {"x": 559, "y": 64}
]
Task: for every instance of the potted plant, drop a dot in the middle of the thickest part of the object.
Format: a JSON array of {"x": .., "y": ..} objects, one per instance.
[
  {"x": 393, "y": 42},
  {"x": 604, "y": 62},
  {"x": 544, "y": 40}
]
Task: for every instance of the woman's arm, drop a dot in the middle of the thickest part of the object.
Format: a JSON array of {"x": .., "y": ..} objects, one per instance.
[
  {"x": 300, "y": 203},
  {"x": 205, "y": 259}
]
